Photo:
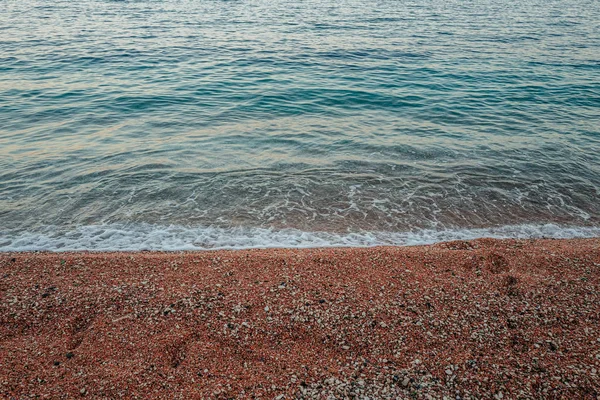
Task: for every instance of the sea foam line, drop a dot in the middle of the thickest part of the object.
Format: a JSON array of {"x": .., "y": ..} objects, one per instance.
[{"x": 116, "y": 237}]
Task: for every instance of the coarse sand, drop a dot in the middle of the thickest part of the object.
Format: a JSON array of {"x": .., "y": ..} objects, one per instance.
[{"x": 485, "y": 319}]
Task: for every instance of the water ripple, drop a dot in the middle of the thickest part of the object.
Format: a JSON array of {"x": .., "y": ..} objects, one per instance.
[{"x": 309, "y": 118}]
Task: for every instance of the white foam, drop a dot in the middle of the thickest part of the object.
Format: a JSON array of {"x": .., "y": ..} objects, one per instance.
[{"x": 117, "y": 237}]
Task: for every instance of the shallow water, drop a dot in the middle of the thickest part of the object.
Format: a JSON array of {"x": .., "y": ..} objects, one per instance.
[{"x": 225, "y": 124}]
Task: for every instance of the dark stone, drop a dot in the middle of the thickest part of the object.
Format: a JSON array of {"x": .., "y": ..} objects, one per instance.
[
  {"x": 56, "y": 363},
  {"x": 70, "y": 355},
  {"x": 322, "y": 301}
]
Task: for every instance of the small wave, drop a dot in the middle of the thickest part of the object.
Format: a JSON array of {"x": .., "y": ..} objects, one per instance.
[{"x": 117, "y": 237}]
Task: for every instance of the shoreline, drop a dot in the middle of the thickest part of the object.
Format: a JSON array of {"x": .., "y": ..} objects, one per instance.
[
  {"x": 149, "y": 237},
  {"x": 503, "y": 318}
]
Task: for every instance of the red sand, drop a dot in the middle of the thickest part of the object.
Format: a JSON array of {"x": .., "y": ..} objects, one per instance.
[{"x": 482, "y": 319}]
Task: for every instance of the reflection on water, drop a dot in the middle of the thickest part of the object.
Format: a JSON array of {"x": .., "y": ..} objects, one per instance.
[{"x": 345, "y": 117}]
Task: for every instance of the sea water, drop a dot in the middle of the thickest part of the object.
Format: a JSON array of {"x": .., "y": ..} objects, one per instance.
[{"x": 201, "y": 124}]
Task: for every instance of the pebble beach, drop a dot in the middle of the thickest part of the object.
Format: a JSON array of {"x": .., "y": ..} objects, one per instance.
[{"x": 484, "y": 319}]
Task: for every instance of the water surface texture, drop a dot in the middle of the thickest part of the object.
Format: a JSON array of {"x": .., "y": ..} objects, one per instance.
[{"x": 187, "y": 124}]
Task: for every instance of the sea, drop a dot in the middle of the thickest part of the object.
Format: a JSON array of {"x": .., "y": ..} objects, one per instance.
[{"x": 226, "y": 124}]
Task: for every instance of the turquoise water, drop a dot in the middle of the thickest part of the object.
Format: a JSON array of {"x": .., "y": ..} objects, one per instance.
[{"x": 225, "y": 124}]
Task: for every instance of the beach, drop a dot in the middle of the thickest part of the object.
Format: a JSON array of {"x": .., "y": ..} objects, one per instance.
[
  {"x": 300, "y": 199},
  {"x": 479, "y": 319}
]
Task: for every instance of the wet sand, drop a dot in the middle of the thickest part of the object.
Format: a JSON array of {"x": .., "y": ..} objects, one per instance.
[{"x": 481, "y": 319}]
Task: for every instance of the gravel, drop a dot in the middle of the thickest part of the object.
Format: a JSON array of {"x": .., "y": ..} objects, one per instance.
[{"x": 494, "y": 319}]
